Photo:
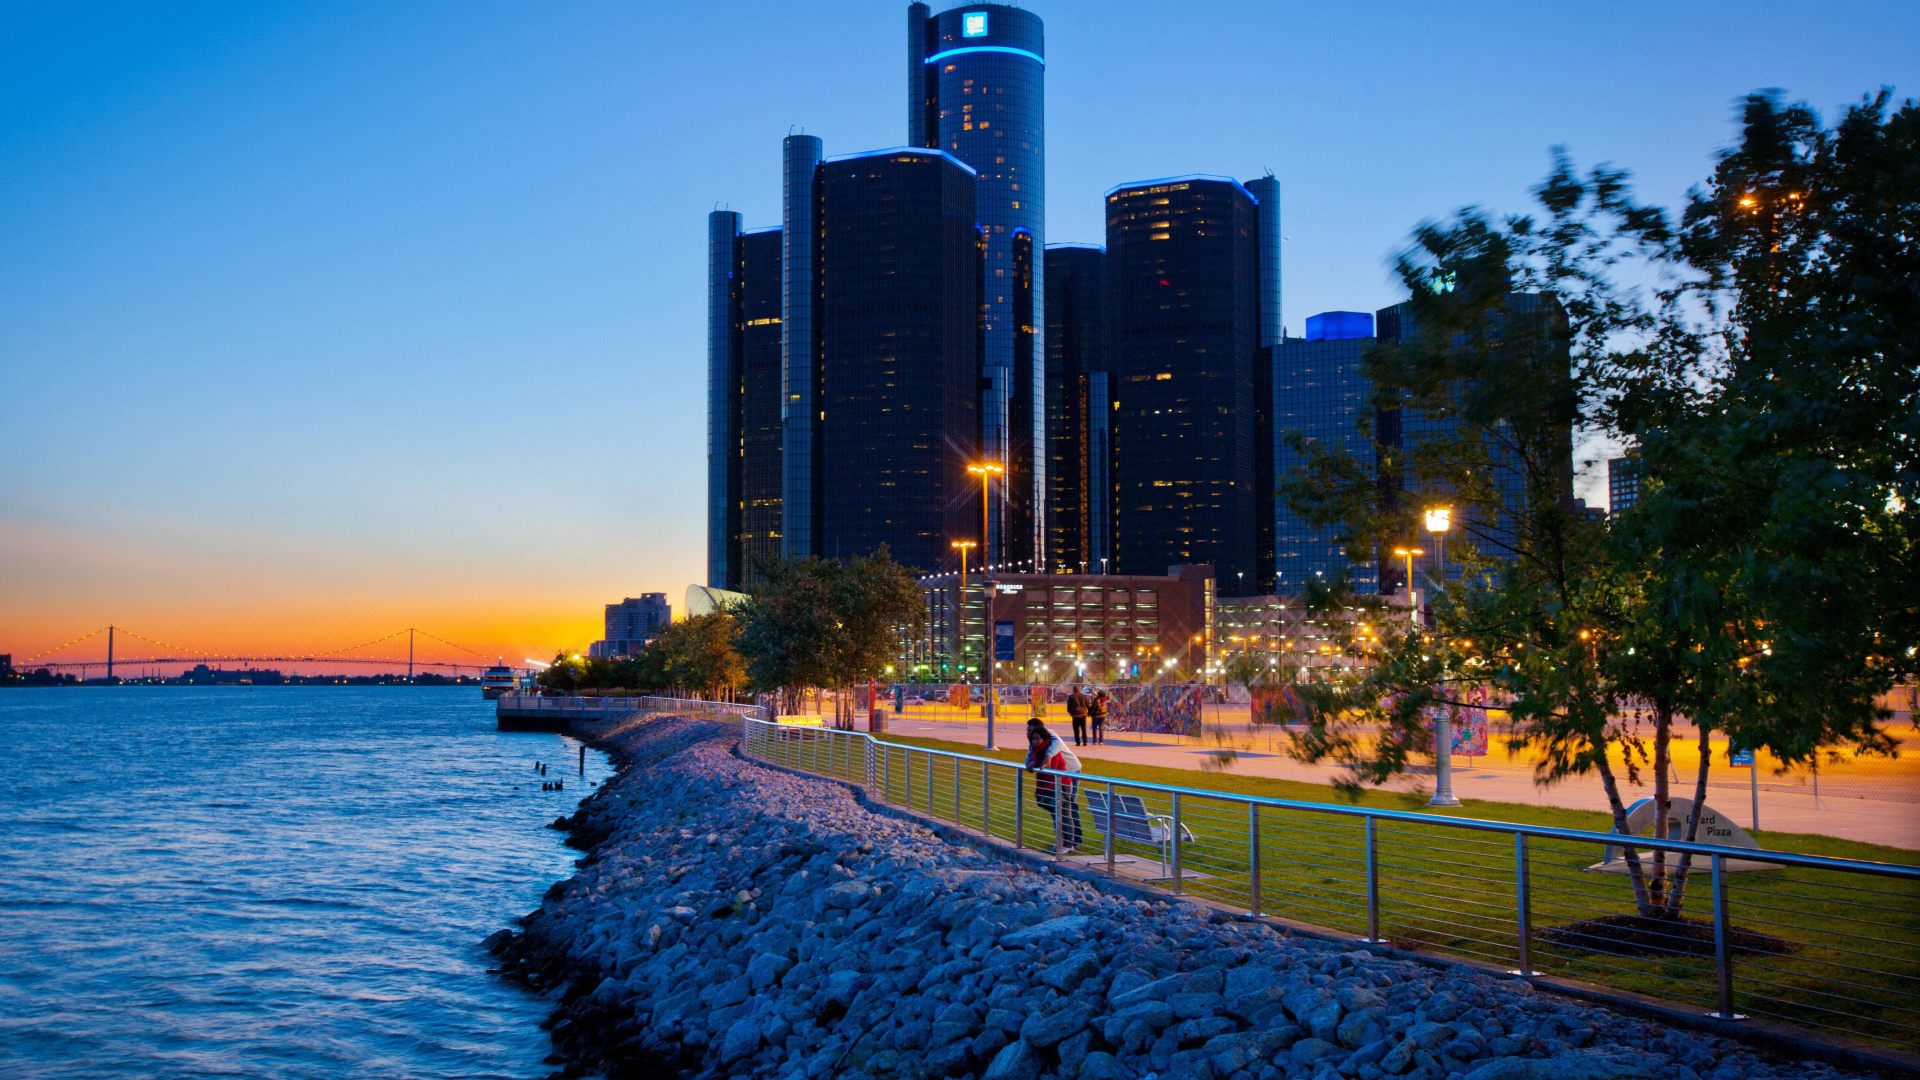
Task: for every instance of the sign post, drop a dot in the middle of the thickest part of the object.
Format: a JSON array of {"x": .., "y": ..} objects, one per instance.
[{"x": 1743, "y": 759}]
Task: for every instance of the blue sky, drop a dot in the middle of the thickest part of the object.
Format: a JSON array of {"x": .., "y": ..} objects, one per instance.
[{"x": 319, "y": 318}]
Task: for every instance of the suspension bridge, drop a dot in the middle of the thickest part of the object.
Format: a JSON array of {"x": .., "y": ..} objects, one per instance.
[{"x": 159, "y": 654}]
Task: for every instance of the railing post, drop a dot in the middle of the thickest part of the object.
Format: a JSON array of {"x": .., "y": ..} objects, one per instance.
[
  {"x": 1373, "y": 887},
  {"x": 1523, "y": 905},
  {"x": 1176, "y": 844},
  {"x": 1107, "y": 832},
  {"x": 1058, "y": 808},
  {"x": 1019, "y": 808},
  {"x": 906, "y": 771},
  {"x": 956, "y": 791},
  {"x": 1722, "y": 952},
  {"x": 986, "y": 819},
  {"x": 886, "y": 780},
  {"x": 1253, "y": 859},
  {"x": 929, "y": 754}
]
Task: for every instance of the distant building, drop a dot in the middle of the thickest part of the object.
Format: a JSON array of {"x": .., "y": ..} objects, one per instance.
[
  {"x": 1496, "y": 534},
  {"x": 1079, "y": 432},
  {"x": 1320, "y": 391},
  {"x": 632, "y": 623},
  {"x": 1183, "y": 291},
  {"x": 976, "y": 79},
  {"x": 1623, "y": 484},
  {"x": 744, "y": 433},
  {"x": 1278, "y": 630},
  {"x": 1101, "y": 626},
  {"x": 899, "y": 279}
]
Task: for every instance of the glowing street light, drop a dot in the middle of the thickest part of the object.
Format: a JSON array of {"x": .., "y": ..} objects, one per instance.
[{"x": 1413, "y": 609}]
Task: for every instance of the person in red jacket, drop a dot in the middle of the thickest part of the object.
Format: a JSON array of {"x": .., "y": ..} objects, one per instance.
[{"x": 1045, "y": 750}]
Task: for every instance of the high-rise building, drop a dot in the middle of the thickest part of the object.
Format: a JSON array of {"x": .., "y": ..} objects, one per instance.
[
  {"x": 975, "y": 87},
  {"x": 1183, "y": 298},
  {"x": 1266, "y": 194},
  {"x": 744, "y": 429},
  {"x": 1320, "y": 391},
  {"x": 1623, "y": 483},
  {"x": 1079, "y": 518},
  {"x": 1495, "y": 533},
  {"x": 632, "y": 623},
  {"x": 898, "y": 279},
  {"x": 799, "y": 361}
]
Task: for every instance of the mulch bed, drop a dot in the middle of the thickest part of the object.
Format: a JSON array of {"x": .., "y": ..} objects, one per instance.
[{"x": 1643, "y": 935}]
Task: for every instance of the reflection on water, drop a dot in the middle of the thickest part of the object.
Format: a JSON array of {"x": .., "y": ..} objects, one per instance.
[{"x": 269, "y": 882}]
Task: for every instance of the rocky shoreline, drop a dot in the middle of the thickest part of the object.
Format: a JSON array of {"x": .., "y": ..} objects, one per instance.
[{"x": 734, "y": 920}]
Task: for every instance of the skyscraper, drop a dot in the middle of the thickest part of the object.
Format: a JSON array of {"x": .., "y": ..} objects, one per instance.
[
  {"x": 1623, "y": 483},
  {"x": 898, "y": 298},
  {"x": 799, "y": 361},
  {"x": 1079, "y": 520},
  {"x": 743, "y": 401},
  {"x": 1321, "y": 392},
  {"x": 975, "y": 89},
  {"x": 1266, "y": 193},
  {"x": 1183, "y": 292}
]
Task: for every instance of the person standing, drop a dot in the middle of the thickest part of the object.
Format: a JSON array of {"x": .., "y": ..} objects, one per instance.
[
  {"x": 1077, "y": 711},
  {"x": 1097, "y": 712},
  {"x": 1045, "y": 750}
]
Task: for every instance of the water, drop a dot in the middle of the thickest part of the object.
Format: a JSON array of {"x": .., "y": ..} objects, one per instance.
[{"x": 270, "y": 882}]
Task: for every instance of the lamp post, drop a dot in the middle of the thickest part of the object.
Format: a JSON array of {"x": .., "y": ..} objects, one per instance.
[
  {"x": 960, "y": 602},
  {"x": 986, "y": 471},
  {"x": 1439, "y": 520},
  {"x": 1413, "y": 609}
]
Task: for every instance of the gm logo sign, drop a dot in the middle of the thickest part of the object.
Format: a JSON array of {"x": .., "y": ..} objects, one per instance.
[{"x": 973, "y": 24}]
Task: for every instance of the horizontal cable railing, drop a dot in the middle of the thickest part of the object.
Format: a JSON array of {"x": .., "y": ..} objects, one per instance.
[
  {"x": 1824, "y": 943},
  {"x": 621, "y": 706}
]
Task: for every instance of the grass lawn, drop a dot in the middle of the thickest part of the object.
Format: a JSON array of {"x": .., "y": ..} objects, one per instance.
[{"x": 1852, "y": 943}]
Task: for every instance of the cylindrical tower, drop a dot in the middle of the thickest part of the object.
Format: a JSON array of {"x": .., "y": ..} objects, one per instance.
[
  {"x": 798, "y": 370},
  {"x": 1267, "y": 191},
  {"x": 983, "y": 68},
  {"x": 723, "y": 371}
]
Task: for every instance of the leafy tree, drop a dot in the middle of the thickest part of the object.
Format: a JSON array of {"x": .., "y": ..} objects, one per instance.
[
  {"x": 826, "y": 623},
  {"x": 1763, "y": 583},
  {"x": 697, "y": 655}
]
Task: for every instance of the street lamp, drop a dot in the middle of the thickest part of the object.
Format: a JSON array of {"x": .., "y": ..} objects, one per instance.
[
  {"x": 1439, "y": 520},
  {"x": 1413, "y": 609},
  {"x": 986, "y": 471}
]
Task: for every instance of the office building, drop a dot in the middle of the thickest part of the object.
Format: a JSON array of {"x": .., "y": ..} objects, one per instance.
[
  {"x": 1278, "y": 632},
  {"x": 1079, "y": 518},
  {"x": 1494, "y": 533},
  {"x": 1266, "y": 195},
  {"x": 799, "y": 363},
  {"x": 632, "y": 623},
  {"x": 1183, "y": 300},
  {"x": 744, "y": 428},
  {"x": 899, "y": 374},
  {"x": 1623, "y": 484},
  {"x": 1320, "y": 391},
  {"x": 975, "y": 89},
  {"x": 1099, "y": 626}
]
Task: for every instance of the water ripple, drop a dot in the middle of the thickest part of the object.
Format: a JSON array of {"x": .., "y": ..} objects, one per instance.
[{"x": 283, "y": 882}]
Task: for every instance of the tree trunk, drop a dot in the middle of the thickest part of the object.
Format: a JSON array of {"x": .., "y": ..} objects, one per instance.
[
  {"x": 1679, "y": 893},
  {"x": 1662, "y": 798},
  {"x": 1634, "y": 869}
]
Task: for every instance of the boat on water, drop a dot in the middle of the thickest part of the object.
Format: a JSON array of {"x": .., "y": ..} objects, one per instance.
[{"x": 497, "y": 680}]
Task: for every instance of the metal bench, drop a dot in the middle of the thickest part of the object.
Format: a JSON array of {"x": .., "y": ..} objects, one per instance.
[{"x": 1129, "y": 820}]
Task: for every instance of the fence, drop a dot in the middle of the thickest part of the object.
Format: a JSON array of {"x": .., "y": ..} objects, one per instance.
[
  {"x": 1823, "y": 943},
  {"x": 604, "y": 707}
]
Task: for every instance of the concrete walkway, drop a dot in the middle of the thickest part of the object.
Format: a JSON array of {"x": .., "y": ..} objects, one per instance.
[{"x": 1896, "y": 824}]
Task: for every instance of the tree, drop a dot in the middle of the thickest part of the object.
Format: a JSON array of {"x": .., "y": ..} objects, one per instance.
[
  {"x": 826, "y": 623},
  {"x": 697, "y": 655},
  {"x": 1714, "y": 598}
]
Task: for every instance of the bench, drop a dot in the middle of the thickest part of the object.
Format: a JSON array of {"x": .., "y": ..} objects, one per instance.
[{"x": 1128, "y": 819}]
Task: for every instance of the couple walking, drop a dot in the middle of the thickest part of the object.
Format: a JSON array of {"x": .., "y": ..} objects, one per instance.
[{"x": 1082, "y": 708}]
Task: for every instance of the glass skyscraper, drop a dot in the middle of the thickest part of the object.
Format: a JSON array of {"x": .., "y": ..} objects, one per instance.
[
  {"x": 744, "y": 430},
  {"x": 1079, "y": 520},
  {"x": 1321, "y": 392},
  {"x": 1183, "y": 286},
  {"x": 975, "y": 82},
  {"x": 898, "y": 275}
]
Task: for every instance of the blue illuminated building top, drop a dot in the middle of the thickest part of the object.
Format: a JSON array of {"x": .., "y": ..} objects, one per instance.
[
  {"x": 1189, "y": 178},
  {"x": 1339, "y": 326},
  {"x": 922, "y": 150}
]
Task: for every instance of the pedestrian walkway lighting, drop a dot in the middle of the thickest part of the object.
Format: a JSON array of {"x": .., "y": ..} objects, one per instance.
[
  {"x": 1413, "y": 609},
  {"x": 986, "y": 471}
]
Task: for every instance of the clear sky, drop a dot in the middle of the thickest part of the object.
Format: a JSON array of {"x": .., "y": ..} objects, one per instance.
[{"x": 321, "y": 320}]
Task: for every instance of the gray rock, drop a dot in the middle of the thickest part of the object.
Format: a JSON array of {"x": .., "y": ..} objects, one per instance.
[
  {"x": 1188, "y": 1004},
  {"x": 1015, "y": 1061},
  {"x": 1443, "y": 1006},
  {"x": 1200, "y": 1029},
  {"x": 1308, "y": 1051},
  {"x": 765, "y": 970},
  {"x": 1156, "y": 1014},
  {"x": 1504, "y": 1068},
  {"x": 844, "y": 986},
  {"x": 742, "y": 1039},
  {"x": 1071, "y": 972},
  {"x": 1190, "y": 1065},
  {"x": 1053, "y": 931},
  {"x": 1074, "y": 1050},
  {"x": 1044, "y": 1030},
  {"x": 1355, "y": 998},
  {"x": 1242, "y": 981},
  {"x": 1157, "y": 990},
  {"x": 846, "y": 894},
  {"x": 1358, "y": 1029},
  {"x": 731, "y": 992},
  {"x": 1100, "y": 1065}
]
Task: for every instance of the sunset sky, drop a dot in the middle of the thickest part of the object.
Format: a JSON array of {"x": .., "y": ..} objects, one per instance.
[{"x": 322, "y": 320}]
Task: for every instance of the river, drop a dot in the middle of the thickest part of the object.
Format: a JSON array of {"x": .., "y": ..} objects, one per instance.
[{"x": 270, "y": 881}]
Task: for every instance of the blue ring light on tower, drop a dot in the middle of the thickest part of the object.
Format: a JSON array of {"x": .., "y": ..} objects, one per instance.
[{"x": 963, "y": 50}]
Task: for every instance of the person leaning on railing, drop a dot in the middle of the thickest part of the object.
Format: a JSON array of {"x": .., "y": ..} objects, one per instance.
[{"x": 1045, "y": 750}]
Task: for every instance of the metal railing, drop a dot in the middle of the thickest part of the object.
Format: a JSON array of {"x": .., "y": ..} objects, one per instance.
[
  {"x": 1824, "y": 943},
  {"x": 588, "y": 708}
]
